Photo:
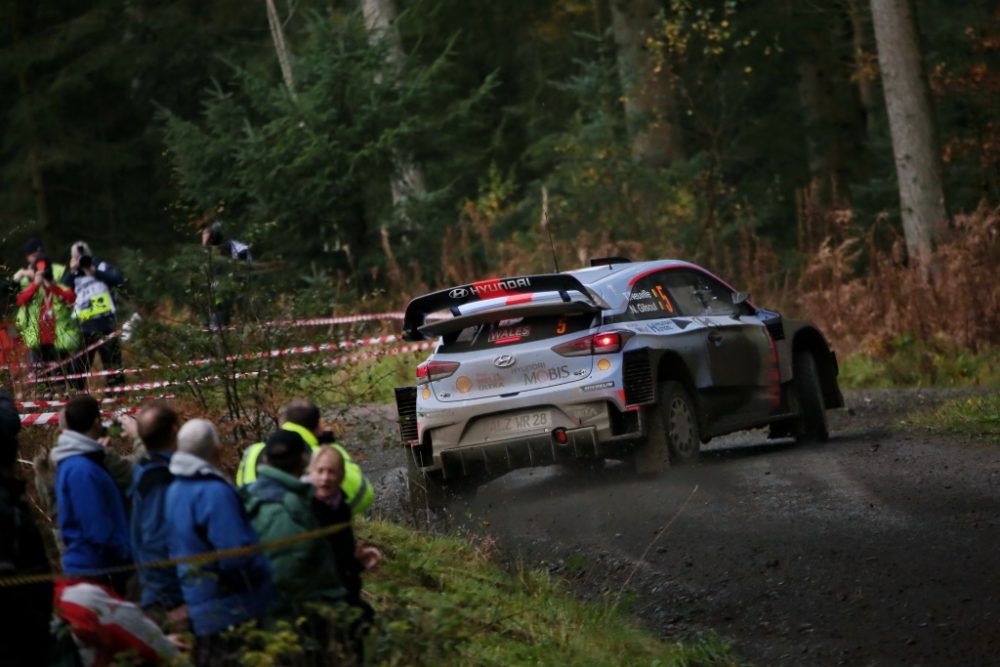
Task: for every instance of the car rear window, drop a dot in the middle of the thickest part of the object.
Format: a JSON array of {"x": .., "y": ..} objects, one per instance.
[{"x": 493, "y": 335}]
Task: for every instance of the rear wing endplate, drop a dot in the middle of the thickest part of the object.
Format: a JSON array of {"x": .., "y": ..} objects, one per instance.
[{"x": 451, "y": 298}]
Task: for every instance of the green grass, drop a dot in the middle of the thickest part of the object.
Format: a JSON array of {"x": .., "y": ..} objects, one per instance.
[
  {"x": 910, "y": 363},
  {"x": 978, "y": 416},
  {"x": 364, "y": 382},
  {"x": 445, "y": 601}
]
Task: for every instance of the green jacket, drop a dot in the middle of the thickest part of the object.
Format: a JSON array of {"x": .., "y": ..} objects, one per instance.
[
  {"x": 356, "y": 487},
  {"x": 67, "y": 333},
  {"x": 279, "y": 506}
]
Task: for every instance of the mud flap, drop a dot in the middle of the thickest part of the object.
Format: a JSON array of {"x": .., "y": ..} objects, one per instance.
[{"x": 652, "y": 455}]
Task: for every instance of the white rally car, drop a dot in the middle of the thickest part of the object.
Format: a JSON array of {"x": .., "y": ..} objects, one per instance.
[{"x": 637, "y": 361}]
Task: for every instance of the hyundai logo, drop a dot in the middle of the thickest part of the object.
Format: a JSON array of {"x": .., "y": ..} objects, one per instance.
[
  {"x": 504, "y": 361},
  {"x": 458, "y": 293}
]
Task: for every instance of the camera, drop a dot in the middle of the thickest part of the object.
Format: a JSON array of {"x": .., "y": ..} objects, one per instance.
[
  {"x": 46, "y": 269},
  {"x": 85, "y": 262}
]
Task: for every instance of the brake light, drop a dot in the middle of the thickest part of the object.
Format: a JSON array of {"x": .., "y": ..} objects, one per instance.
[
  {"x": 602, "y": 343},
  {"x": 607, "y": 342},
  {"x": 429, "y": 371}
]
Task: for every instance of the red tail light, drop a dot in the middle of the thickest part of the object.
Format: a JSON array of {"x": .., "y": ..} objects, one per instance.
[
  {"x": 602, "y": 343},
  {"x": 429, "y": 371},
  {"x": 607, "y": 342}
]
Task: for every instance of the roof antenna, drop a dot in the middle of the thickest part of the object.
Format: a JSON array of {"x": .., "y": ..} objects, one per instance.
[{"x": 545, "y": 225}]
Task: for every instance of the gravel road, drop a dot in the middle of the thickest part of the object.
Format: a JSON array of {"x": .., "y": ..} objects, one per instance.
[{"x": 876, "y": 548}]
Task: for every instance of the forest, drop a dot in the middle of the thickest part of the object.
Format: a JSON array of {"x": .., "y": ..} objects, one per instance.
[{"x": 841, "y": 159}]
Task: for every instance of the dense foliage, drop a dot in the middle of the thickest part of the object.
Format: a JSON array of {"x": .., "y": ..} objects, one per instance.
[{"x": 132, "y": 124}]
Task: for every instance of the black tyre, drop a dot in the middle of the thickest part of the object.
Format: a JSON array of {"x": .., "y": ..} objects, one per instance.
[
  {"x": 812, "y": 426},
  {"x": 672, "y": 431},
  {"x": 680, "y": 421}
]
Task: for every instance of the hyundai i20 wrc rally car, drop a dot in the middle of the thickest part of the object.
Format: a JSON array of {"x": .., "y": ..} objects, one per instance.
[{"x": 638, "y": 361}]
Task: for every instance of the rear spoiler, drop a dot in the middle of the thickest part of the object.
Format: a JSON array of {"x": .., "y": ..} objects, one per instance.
[{"x": 452, "y": 298}]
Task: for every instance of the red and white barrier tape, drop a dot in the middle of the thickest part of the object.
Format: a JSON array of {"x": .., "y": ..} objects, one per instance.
[
  {"x": 328, "y": 321},
  {"x": 62, "y": 362},
  {"x": 34, "y": 405},
  {"x": 319, "y": 321},
  {"x": 52, "y": 418},
  {"x": 338, "y": 361},
  {"x": 288, "y": 351}
]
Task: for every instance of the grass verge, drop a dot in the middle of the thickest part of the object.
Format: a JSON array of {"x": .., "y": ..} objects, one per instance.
[
  {"x": 905, "y": 362},
  {"x": 445, "y": 601},
  {"x": 977, "y": 416}
]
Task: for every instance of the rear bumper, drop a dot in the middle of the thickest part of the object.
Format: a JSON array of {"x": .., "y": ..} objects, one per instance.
[
  {"x": 500, "y": 456},
  {"x": 520, "y": 453}
]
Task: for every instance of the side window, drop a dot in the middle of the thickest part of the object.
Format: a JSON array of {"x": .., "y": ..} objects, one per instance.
[
  {"x": 699, "y": 294},
  {"x": 650, "y": 299}
]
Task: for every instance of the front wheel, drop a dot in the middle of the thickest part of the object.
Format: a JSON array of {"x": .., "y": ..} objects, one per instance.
[{"x": 812, "y": 426}]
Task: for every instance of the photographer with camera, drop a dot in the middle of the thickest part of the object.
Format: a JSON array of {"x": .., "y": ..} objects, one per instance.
[
  {"x": 92, "y": 279},
  {"x": 44, "y": 315}
]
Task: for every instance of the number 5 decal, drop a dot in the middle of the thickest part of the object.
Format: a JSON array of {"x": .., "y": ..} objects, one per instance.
[{"x": 664, "y": 300}]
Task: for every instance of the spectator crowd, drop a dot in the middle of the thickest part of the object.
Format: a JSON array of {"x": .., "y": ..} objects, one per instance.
[
  {"x": 165, "y": 559},
  {"x": 67, "y": 315}
]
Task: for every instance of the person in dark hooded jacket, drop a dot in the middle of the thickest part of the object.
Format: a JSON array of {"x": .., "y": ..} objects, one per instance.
[
  {"x": 90, "y": 506},
  {"x": 157, "y": 425},
  {"x": 25, "y": 633}
]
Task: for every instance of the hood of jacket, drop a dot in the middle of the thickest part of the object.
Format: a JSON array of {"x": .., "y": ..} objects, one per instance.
[
  {"x": 184, "y": 464},
  {"x": 272, "y": 484},
  {"x": 71, "y": 443}
]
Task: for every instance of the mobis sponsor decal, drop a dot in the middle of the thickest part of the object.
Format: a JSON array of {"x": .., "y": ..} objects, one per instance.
[{"x": 540, "y": 373}]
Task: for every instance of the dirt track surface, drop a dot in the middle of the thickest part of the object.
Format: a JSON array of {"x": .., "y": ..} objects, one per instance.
[{"x": 876, "y": 548}]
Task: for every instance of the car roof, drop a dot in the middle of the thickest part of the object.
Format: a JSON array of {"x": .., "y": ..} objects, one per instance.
[{"x": 626, "y": 272}]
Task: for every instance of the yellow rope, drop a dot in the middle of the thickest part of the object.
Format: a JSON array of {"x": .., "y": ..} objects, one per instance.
[{"x": 207, "y": 557}]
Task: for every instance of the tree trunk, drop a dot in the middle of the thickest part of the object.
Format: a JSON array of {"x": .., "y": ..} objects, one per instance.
[
  {"x": 650, "y": 100},
  {"x": 914, "y": 142},
  {"x": 280, "y": 46},
  {"x": 380, "y": 19},
  {"x": 864, "y": 66}
]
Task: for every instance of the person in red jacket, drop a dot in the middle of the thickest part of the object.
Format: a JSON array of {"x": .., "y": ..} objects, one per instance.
[{"x": 43, "y": 292}]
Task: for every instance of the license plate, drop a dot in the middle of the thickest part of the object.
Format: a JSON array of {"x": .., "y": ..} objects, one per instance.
[{"x": 519, "y": 423}]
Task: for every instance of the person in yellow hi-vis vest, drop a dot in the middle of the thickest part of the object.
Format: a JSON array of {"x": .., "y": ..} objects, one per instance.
[{"x": 302, "y": 417}]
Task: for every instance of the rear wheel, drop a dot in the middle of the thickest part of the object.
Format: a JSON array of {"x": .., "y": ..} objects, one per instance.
[
  {"x": 681, "y": 423},
  {"x": 672, "y": 431},
  {"x": 812, "y": 426}
]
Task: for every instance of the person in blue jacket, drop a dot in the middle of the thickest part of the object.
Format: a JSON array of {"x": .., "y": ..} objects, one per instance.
[
  {"x": 157, "y": 425},
  {"x": 205, "y": 514},
  {"x": 90, "y": 507}
]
